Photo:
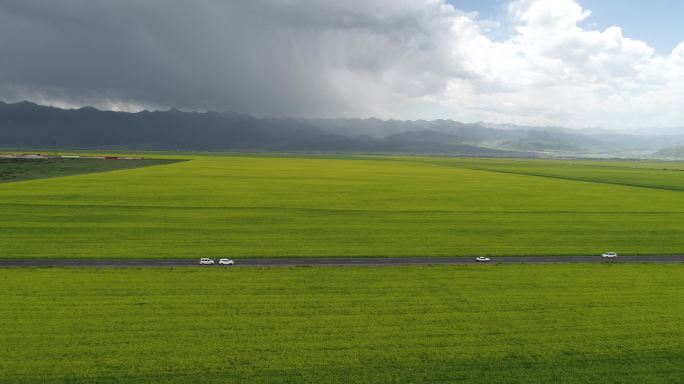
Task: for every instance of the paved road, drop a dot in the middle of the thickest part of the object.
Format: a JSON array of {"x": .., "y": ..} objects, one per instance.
[{"x": 293, "y": 262}]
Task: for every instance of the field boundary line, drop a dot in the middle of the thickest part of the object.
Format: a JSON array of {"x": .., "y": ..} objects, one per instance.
[
  {"x": 262, "y": 208},
  {"x": 569, "y": 178}
]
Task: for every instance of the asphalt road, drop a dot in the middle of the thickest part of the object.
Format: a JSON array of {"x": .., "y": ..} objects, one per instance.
[{"x": 294, "y": 262}]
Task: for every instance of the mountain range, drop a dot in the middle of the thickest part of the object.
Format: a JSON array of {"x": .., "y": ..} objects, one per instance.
[{"x": 28, "y": 125}]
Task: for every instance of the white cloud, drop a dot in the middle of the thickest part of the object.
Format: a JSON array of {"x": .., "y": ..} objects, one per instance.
[
  {"x": 387, "y": 58},
  {"x": 554, "y": 72}
]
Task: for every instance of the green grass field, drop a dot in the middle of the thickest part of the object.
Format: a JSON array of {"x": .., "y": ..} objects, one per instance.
[
  {"x": 259, "y": 206},
  {"x": 476, "y": 324}
]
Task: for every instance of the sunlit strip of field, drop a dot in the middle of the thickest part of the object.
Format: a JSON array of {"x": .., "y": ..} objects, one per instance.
[{"x": 296, "y": 206}]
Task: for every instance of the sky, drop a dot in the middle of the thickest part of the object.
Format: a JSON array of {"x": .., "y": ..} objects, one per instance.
[
  {"x": 572, "y": 63},
  {"x": 657, "y": 22}
]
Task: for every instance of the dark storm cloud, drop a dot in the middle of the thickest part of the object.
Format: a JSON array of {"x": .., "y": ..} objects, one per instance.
[
  {"x": 280, "y": 57},
  {"x": 385, "y": 58}
]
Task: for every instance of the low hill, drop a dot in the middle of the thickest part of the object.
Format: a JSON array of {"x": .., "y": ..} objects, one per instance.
[
  {"x": 27, "y": 125},
  {"x": 670, "y": 153}
]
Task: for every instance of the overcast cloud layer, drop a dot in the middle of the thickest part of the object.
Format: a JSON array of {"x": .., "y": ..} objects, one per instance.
[{"x": 387, "y": 58}]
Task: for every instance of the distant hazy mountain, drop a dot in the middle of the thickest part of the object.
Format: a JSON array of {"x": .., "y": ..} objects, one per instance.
[
  {"x": 27, "y": 125},
  {"x": 505, "y": 136},
  {"x": 670, "y": 153}
]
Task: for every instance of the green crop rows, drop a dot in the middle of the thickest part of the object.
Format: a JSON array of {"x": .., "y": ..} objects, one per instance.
[
  {"x": 251, "y": 206},
  {"x": 526, "y": 324}
]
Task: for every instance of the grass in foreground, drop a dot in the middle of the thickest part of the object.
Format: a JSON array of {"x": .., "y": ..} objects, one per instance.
[
  {"x": 245, "y": 206},
  {"x": 532, "y": 324}
]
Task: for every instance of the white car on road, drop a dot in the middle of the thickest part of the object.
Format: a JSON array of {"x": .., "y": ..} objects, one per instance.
[
  {"x": 482, "y": 259},
  {"x": 206, "y": 261},
  {"x": 226, "y": 262},
  {"x": 609, "y": 255}
]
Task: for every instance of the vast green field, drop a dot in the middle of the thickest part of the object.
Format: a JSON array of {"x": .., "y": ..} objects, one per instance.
[
  {"x": 259, "y": 206},
  {"x": 477, "y": 324}
]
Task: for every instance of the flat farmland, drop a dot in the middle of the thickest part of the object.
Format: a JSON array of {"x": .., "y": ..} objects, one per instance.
[
  {"x": 258, "y": 206},
  {"x": 475, "y": 324}
]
